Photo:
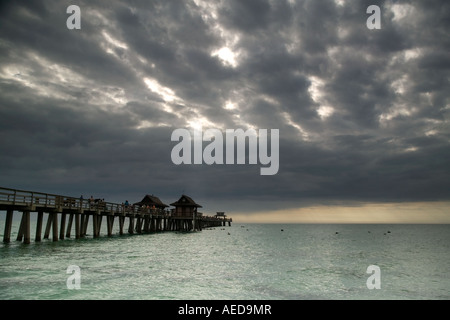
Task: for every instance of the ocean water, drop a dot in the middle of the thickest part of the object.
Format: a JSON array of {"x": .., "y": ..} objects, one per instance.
[{"x": 250, "y": 262}]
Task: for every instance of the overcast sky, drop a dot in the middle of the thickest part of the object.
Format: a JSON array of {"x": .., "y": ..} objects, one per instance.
[{"x": 363, "y": 114}]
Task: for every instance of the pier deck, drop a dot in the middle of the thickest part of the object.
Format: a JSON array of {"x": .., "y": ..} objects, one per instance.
[{"x": 79, "y": 211}]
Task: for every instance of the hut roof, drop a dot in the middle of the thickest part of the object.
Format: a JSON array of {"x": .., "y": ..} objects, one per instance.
[
  {"x": 152, "y": 200},
  {"x": 220, "y": 214},
  {"x": 185, "y": 201}
]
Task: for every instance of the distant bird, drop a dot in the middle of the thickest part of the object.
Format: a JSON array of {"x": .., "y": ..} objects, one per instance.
[
  {"x": 228, "y": 233},
  {"x": 388, "y": 231},
  {"x": 337, "y": 232},
  {"x": 282, "y": 230}
]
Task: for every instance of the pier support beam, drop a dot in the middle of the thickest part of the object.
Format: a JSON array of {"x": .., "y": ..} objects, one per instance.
[
  {"x": 69, "y": 225},
  {"x": 24, "y": 229},
  {"x": 109, "y": 224},
  {"x": 84, "y": 224},
  {"x": 77, "y": 226},
  {"x": 112, "y": 217},
  {"x": 40, "y": 217},
  {"x": 48, "y": 226},
  {"x": 27, "y": 231},
  {"x": 94, "y": 225},
  {"x": 20, "y": 233},
  {"x": 152, "y": 223},
  {"x": 138, "y": 224},
  {"x": 63, "y": 226},
  {"x": 131, "y": 225},
  {"x": 99, "y": 224},
  {"x": 54, "y": 217},
  {"x": 146, "y": 223},
  {"x": 8, "y": 225},
  {"x": 121, "y": 223}
]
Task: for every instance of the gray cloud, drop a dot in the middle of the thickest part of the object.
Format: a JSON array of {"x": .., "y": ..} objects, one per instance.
[{"x": 363, "y": 114}]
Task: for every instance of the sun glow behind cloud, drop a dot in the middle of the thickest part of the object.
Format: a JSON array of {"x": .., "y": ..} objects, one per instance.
[
  {"x": 114, "y": 41},
  {"x": 227, "y": 56},
  {"x": 359, "y": 213},
  {"x": 316, "y": 91},
  {"x": 166, "y": 93}
]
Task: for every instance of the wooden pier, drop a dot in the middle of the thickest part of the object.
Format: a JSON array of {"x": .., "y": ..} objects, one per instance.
[{"x": 76, "y": 213}]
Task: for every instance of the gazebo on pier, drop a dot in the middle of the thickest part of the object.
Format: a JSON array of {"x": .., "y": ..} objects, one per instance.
[
  {"x": 220, "y": 215},
  {"x": 184, "y": 216},
  {"x": 151, "y": 202},
  {"x": 185, "y": 207}
]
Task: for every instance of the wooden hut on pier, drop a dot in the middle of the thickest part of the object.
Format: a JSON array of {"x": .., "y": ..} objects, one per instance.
[
  {"x": 152, "y": 202},
  {"x": 185, "y": 216},
  {"x": 185, "y": 207},
  {"x": 220, "y": 215}
]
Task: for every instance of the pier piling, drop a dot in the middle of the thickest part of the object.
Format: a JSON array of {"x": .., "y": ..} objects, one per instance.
[
  {"x": 85, "y": 225},
  {"x": 94, "y": 226},
  {"x": 63, "y": 226},
  {"x": 24, "y": 228},
  {"x": 121, "y": 223},
  {"x": 109, "y": 224},
  {"x": 131, "y": 225},
  {"x": 48, "y": 226},
  {"x": 69, "y": 225},
  {"x": 37, "y": 237},
  {"x": 54, "y": 226},
  {"x": 20, "y": 233},
  {"x": 77, "y": 226},
  {"x": 8, "y": 226},
  {"x": 27, "y": 231}
]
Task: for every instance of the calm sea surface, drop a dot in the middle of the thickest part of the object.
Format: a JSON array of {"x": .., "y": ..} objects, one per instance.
[{"x": 251, "y": 261}]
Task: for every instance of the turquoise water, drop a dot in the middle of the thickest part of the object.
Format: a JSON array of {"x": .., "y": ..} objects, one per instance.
[{"x": 252, "y": 261}]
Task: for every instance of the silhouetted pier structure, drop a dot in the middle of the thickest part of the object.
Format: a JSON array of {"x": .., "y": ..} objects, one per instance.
[{"x": 75, "y": 214}]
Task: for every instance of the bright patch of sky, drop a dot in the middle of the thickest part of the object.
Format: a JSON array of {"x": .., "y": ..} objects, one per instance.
[{"x": 316, "y": 90}]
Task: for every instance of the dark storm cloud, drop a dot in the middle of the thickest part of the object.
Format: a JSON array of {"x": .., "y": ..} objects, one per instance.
[{"x": 363, "y": 114}]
